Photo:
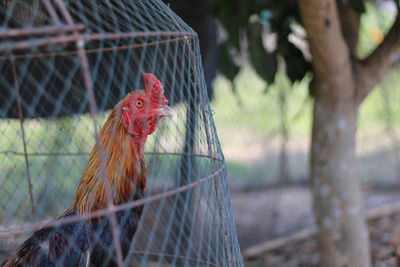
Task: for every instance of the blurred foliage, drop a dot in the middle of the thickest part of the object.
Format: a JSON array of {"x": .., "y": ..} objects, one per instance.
[
  {"x": 226, "y": 64},
  {"x": 374, "y": 25},
  {"x": 261, "y": 20},
  {"x": 358, "y": 5},
  {"x": 271, "y": 30},
  {"x": 263, "y": 61}
]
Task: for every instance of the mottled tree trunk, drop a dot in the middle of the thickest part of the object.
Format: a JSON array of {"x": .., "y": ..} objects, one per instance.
[
  {"x": 341, "y": 83},
  {"x": 343, "y": 238},
  {"x": 342, "y": 230}
]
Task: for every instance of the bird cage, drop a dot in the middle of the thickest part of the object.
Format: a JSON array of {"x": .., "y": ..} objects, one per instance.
[{"x": 63, "y": 65}]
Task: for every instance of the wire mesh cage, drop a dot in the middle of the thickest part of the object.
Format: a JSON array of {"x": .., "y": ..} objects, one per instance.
[{"x": 63, "y": 65}]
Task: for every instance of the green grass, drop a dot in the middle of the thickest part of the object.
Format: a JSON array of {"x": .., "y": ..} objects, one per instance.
[
  {"x": 249, "y": 124},
  {"x": 256, "y": 105},
  {"x": 380, "y": 109},
  {"x": 253, "y": 126}
]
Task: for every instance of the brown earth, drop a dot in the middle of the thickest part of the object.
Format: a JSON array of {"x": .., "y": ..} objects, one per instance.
[{"x": 266, "y": 214}]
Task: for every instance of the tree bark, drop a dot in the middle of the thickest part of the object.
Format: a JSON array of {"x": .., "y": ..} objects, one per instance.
[
  {"x": 343, "y": 235},
  {"x": 342, "y": 230},
  {"x": 350, "y": 25},
  {"x": 341, "y": 83}
]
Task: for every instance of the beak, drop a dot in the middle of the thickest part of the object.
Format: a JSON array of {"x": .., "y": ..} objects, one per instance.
[{"x": 165, "y": 111}]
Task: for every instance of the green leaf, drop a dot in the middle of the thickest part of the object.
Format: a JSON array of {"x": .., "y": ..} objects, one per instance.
[
  {"x": 358, "y": 5},
  {"x": 296, "y": 65},
  {"x": 233, "y": 14},
  {"x": 226, "y": 65},
  {"x": 264, "y": 63},
  {"x": 228, "y": 68}
]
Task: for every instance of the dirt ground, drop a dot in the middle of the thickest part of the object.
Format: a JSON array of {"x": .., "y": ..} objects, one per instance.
[
  {"x": 262, "y": 215},
  {"x": 385, "y": 247}
]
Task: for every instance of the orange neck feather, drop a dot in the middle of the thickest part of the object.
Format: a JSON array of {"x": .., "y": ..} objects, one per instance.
[{"x": 121, "y": 161}]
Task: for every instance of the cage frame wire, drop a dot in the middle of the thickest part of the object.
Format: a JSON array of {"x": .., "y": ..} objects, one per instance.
[{"x": 73, "y": 33}]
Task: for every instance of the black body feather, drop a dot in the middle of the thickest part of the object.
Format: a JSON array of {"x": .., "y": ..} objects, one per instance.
[
  {"x": 103, "y": 251},
  {"x": 79, "y": 243},
  {"x": 65, "y": 245}
]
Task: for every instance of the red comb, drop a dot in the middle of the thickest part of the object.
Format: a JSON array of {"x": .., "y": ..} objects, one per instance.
[{"x": 154, "y": 89}]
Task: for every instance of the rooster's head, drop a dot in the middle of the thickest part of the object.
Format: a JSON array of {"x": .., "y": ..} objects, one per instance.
[{"x": 142, "y": 109}]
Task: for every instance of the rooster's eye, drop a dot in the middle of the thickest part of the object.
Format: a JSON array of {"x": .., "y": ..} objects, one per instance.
[{"x": 139, "y": 103}]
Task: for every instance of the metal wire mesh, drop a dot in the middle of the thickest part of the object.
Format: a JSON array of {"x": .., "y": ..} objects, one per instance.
[{"x": 63, "y": 65}]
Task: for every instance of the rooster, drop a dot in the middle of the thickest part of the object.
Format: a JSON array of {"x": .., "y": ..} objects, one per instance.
[{"x": 117, "y": 164}]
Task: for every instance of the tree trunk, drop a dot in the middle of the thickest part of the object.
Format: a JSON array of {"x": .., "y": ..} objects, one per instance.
[
  {"x": 342, "y": 231},
  {"x": 343, "y": 235}
]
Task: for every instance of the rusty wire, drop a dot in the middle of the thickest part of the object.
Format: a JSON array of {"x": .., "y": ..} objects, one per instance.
[
  {"x": 148, "y": 45},
  {"x": 46, "y": 223}
]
